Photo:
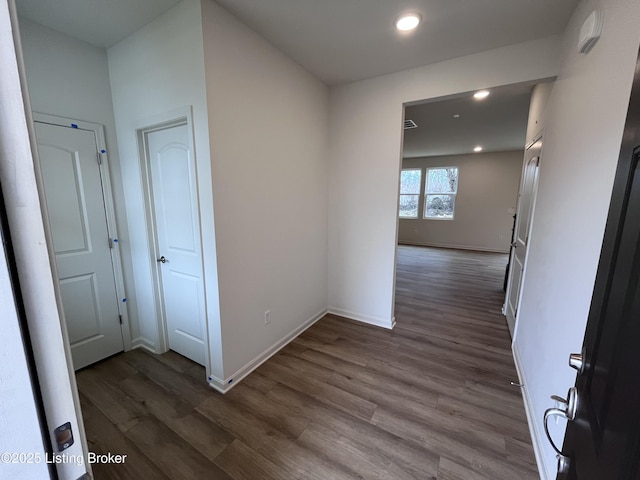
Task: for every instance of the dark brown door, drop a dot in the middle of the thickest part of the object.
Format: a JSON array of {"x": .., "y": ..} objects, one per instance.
[{"x": 603, "y": 441}]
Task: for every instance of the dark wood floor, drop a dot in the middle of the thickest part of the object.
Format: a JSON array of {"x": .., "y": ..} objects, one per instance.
[{"x": 430, "y": 400}]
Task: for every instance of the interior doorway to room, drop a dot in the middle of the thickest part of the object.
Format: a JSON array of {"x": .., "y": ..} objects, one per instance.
[
  {"x": 461, "y": 171},
  {"x": 174, "y": 235},
  {"x": 79, "y": 204}
]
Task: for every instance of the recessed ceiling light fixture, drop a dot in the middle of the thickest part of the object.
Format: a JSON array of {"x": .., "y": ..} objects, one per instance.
[
  {"x": 408, "y": 21},
  {"x": 456, "y": 115},
  {"x": 477, "y": 149},
  {"x": 479, "y": 95}
]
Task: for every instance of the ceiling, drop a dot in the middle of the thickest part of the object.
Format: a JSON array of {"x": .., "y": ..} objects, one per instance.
[
  {"x": 497, "y": 123},
  {"x": 337, "y": 40},
  {"x": 346, "y": 40},
  {"x": 101, "y": 23}
]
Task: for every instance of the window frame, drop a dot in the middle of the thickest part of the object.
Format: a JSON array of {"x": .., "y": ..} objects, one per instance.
[
  {"x": 426, "y": 193},
  {"x": 419, "y": 194}
]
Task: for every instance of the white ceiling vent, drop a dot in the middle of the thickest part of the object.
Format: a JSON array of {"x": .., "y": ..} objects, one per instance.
[{"x": 410, "y": 124}]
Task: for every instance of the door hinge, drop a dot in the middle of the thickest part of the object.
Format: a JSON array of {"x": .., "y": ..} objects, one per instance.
[
  {"x": 120, "y": 316},
  {"x": 110, "y": 242},
  {"x": 99, "y": 157}
]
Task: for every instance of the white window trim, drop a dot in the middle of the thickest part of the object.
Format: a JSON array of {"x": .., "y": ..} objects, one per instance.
[
  {"x": 419, "y": 194},
  {"x": 426, "y": 192}
]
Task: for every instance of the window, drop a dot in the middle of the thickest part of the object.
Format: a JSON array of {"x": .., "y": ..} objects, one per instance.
[
  {"x": 410, "y": 192},
  {"x": 440, "y": 193}
]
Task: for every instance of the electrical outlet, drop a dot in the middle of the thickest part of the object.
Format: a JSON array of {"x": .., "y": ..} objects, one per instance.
[{"x": 267, "y": 317}]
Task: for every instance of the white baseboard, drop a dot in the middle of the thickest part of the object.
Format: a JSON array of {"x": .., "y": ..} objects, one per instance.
[
  {"x": 223, "y": 386},
  {"x": 454, "y": 247},
  {"x": 536, "y": 437},
  {"x": 359, "y": 317},
  {"x": 142, "y": 342}
]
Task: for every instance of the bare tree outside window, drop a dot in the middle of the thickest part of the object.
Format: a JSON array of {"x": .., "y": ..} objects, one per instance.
[
  {"x": 410, "y": 180},
  {"x": 440, "y": 193}
]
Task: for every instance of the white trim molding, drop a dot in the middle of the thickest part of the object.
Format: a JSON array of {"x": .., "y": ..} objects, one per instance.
[
  {"x": 145, "y": 344},
  {"x": 223, "y": 386},
  {"x": 360, "y": 317},
  {"x": 453, "y": 247},
  {"x": 536, "y": 436},
  {"x": 35, "y": 267}
]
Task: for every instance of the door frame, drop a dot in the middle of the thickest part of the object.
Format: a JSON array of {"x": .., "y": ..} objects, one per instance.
[
  {"x": 609, "y": 251},
  {"x": 107, "y": 194},
  {"x": 534, "y": 197},
  {"x": 174, "y": 118},
  {"x": 19, "y": 173}
]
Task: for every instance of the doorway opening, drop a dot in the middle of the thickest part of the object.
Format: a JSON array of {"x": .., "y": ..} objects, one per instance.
[
  {"x": 173, "y": 227},
  {"x": 460, "y": 179},
  {"x": 459, "y": 183}
]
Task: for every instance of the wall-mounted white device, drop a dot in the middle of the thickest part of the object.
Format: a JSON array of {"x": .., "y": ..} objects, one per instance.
[{"x": 590, "y": 31}]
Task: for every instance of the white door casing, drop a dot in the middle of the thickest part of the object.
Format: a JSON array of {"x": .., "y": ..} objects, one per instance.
[
  {"x": 19, "y": 176},
  {"x": 526, "y": 203},
  {"x": 173, "y": 189},
  {"x": 75, "y": 201}
]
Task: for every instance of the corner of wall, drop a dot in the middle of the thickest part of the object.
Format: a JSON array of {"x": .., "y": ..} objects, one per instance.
[
  {"x": 223, "y": 386},
  {"x": 389, "y": 324}
]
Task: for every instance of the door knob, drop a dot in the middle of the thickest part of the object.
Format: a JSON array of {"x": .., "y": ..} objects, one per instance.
[
  {"x": 568, "y": 412},
  {"x": 161, "y": 260}
]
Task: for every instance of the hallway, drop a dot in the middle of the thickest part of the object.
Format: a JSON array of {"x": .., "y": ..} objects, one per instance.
[
  {"x": 448, "y": 311},
  {"x": 430, "y": 400}
]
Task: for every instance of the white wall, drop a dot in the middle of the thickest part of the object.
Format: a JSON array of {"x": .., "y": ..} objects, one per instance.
[
  {"x": 70, "y": 78},
  {"x": 485, "y": 202},
  {"x": 583, "y": 131},
  {"x": 539, "y": 99},
  {"x": 365, "y": 145},
  {"x": 269, "y": 138},
  {"x": 158, "y": 69}
]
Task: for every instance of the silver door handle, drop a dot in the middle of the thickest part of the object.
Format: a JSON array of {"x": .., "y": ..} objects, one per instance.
[
  {"x": 161, "y": 260},
  {"x": 564, "y": 463},
  {"x": 568, "y": 413},
  {"x": 576, "y": 360}
]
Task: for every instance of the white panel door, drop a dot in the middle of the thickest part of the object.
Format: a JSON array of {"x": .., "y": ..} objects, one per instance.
[
  {"x": 75, "y": 203},
  {"x": 175, "y": 201},
  {"x": 526, "y": 200}
]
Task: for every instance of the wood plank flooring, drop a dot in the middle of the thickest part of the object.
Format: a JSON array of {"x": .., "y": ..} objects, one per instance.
[{"x": 430, "y": 400}]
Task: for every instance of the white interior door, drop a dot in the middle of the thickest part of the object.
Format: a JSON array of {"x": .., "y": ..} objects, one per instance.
[
  {"x": 75, "y": 204},
  {"x": 175, "y": 203},
  {"x": 526, "y": 200}
]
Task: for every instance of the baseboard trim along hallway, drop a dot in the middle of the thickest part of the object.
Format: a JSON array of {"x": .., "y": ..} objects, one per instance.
[{"x": 429, "y": 400}]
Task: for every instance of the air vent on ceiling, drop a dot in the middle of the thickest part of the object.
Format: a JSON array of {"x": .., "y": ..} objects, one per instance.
[{"x": 410, "y": 124}]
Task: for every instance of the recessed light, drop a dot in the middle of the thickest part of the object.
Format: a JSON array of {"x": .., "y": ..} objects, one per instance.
[
  {"x": 479, "y": 95},
  {"x": 408, "y": 21},
  {"x": 456, "y": 115},
  {"x": 477, "y": 149}
]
